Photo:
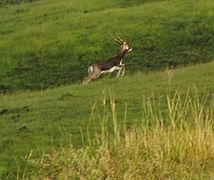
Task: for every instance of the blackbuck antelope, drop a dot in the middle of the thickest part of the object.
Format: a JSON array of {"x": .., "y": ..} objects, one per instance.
[{"x": 111, "y": 64}]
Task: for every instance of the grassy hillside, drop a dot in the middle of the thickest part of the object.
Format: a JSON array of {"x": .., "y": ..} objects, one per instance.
[
  {"x": 57, "y": 132},
  {"x": 32, "y": 123},
  {"x": 50, "y": 43}
]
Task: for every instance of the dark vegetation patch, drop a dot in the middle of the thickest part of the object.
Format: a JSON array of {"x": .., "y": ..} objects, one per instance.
[
  {"x": 23, "y": 128},
  {"x": 6, "y": 2},
  {"x": 17, "y": 110},
  {"x": 66, "y": 96},
  {"x": 121, "y": 3},
  {"x": 3, "y": 88}
]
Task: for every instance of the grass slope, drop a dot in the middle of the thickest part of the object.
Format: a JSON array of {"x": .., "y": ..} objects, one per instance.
[
  {"x": 55, "y": 118},
  {"x": 50, "y": 43},
  {"x": 183, "y": 149}
]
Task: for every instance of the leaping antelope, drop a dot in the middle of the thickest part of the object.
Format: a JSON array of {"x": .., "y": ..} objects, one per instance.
[{"x": 111, "y": 64}]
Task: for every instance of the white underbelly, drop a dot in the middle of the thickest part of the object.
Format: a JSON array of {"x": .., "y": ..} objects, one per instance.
[{"x": 112, "y": 69}]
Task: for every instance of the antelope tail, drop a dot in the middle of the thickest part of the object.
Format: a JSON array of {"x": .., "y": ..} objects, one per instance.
[{"x": 90, "y": 70}]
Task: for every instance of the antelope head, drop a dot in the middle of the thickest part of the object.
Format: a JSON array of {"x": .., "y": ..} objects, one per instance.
[{"x": 124, "y": 45}]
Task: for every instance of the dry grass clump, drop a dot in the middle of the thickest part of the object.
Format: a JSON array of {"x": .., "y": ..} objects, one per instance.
[{"x": 180, "y": 147}]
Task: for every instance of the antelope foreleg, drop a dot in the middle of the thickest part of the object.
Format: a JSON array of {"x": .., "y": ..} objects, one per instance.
[
  {"x": 121, "y": 69},
  {"x": 124, "y": 70},
  {"x": 119, "y": 72}
]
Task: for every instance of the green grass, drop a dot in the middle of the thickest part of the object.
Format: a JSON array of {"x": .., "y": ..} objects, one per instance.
[
  {"x": 181, "y": 149},
  {"x": 50, "y": 43},
  {"x": 39, "y": 121}
]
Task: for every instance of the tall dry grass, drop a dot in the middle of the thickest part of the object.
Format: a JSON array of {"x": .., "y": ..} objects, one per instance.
[{"x": 176, "y": 142}]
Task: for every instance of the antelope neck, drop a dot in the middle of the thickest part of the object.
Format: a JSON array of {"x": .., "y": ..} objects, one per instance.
[{"x": 121, "y": 54}]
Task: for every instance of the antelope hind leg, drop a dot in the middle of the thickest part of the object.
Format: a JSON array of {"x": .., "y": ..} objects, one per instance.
[{"x": 86, "y": 80}]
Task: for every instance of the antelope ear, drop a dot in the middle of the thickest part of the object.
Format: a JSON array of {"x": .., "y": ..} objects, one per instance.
[{"x": 130, "y": 50}]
